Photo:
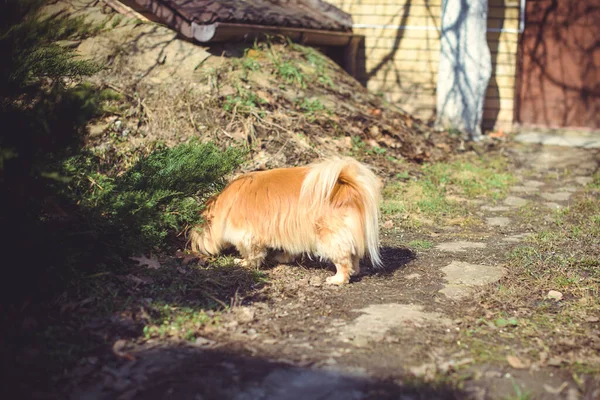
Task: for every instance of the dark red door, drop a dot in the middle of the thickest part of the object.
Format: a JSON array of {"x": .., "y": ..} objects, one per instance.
[{"x": 559, "y": 72}]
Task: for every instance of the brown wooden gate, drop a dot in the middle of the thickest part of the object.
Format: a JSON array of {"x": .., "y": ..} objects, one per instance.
[{"x": 559, "y": 72}]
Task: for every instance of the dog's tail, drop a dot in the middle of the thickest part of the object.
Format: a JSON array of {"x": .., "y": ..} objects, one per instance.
[{"x": 322, "y": 184}]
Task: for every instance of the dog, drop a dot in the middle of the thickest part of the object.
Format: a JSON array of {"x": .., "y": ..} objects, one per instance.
[{"x": 329, "y": 209}]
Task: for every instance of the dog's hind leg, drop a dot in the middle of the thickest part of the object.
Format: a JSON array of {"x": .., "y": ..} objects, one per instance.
[
  {"x": 343, "y": 267},
  {"x": 253, "y": 254}
]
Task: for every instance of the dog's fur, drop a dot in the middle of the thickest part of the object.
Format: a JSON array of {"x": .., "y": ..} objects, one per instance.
[{"x": 328, "y": 209}]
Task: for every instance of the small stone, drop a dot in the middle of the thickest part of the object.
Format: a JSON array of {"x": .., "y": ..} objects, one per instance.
[
  {"x": 252, "y": 332},
  {"x": 555, "y": 361},
  {"x": 231, "y": 324},
  {"x": 388, "y": 224},
  {"x": 202, "y": 341},
  {"x": 413, "y": 276},
  {"x": 553, "y": 206},
  {"x": 515, "y": 201},
  {"x": 244, "y": 314},
  {"x": 554, "y": 295},
  {"x": 497, "y": 221}
]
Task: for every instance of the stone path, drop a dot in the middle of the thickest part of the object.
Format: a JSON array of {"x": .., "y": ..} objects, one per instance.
[{"x": 309, "y": 341}]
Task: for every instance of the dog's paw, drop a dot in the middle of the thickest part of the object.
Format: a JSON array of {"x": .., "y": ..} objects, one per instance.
[
  {"x": 337, "y": 279},
  {"x": 241, "y": 262}
]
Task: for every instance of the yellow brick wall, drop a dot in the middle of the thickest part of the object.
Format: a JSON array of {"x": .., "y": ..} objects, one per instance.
[{"x": 402, "y": 63}]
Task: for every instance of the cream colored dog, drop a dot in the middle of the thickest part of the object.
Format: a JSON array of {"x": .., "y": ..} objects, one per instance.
[{"x": 329, "y": 209}]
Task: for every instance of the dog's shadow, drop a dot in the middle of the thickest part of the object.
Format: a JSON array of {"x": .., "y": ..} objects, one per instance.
[{"x": 393, "y": 259}]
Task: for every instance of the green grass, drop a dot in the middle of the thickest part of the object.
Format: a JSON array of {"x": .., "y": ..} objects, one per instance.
[
  {"x": 180, "y": 322},
  {"x": 392, "y": 207},
  {"x": 420, "y": 244},
  {"x": 519, "y": 393},
  {"x": 433, "y": 191}
]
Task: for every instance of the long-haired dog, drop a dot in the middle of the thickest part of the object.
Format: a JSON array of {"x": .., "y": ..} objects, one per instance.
[{"x": 328, "y": 209}]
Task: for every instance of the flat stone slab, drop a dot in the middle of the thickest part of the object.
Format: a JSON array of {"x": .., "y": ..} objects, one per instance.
[
  {"x": 516, "y": 238},
  {"x": 533, "y": 183},
  {"x": 377, "y": 319},
  {"x": 460, "y": 246},
  {"x": 557, "y": 196},
  {"x": 584, "y": 180},
  {"x": 463, "y": 277},
  {"x": 497, "y": 221},
  {"x": 515, "y": 201},
  {"x": 524, "y": 189},
  {"x": 571, "y": 189},
  {"x": 495, "y": 208},
  {"x": 559, "y": 140}
]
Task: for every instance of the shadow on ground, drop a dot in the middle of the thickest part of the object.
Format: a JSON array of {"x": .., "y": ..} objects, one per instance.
[{"x": 192, "y": 373}]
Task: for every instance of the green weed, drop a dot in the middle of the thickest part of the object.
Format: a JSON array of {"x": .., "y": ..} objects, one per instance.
[
  {"x": 420, "y": 244},
  {"x": 244, "y": 103}
]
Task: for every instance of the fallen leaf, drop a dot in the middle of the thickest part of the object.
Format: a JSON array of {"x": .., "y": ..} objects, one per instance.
[
  {"x": 443, "y": 146},
  {"x": 517, "y": 363},
  {"x": 203, "y": 342},
  {"x": 497, "y": 134},
  {"x": 117, "y": 348},
  {"x": 552, "y": 390},
  {"x": 543, "y": 357},
  {"x": 144, "y": 261},
  {"x": 554, "y": 295},
  {"x": 592, "y": 319},
  {"x": 388, "y": 224}
]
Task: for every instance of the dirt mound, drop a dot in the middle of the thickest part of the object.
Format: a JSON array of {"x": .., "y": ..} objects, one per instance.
[{"x": 289, "y": 103}]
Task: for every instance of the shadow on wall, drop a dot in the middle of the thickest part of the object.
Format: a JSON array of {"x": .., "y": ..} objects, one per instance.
[
  {"x": 559, "y": 76},
  {"x": 391, "y": 56},
  {"x": 403, "y": 60},
  {"x": 490, "y": 114}
]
